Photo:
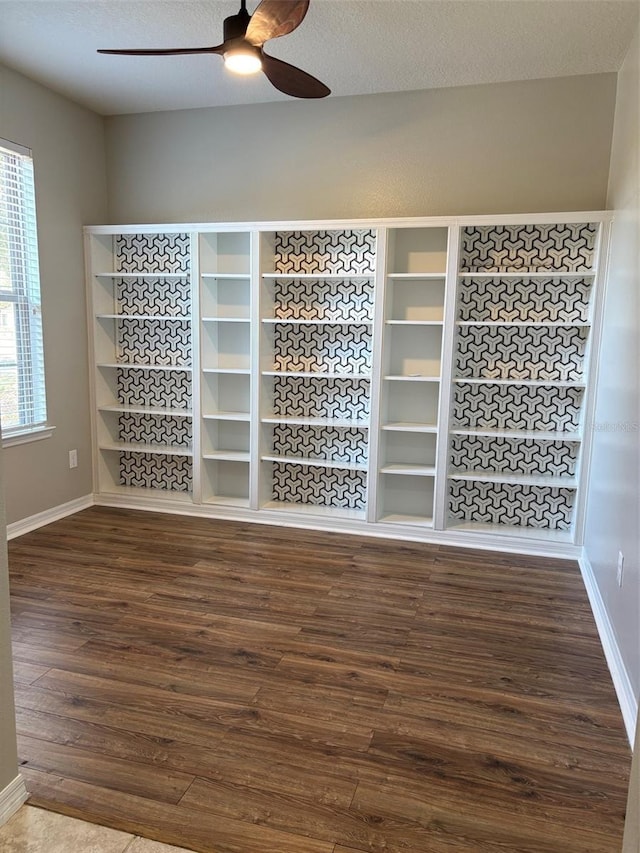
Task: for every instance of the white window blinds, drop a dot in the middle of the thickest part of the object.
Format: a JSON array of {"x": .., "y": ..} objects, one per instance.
[{"x": 23, "y": 405}]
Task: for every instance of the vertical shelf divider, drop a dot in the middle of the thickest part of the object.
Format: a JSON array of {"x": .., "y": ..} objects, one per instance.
[
  {"x": 256, "y": 390},
  {"x": 444, "y": 401},
  {"x": 377, "y": 372},
  {"x": 196, "y": 406}
]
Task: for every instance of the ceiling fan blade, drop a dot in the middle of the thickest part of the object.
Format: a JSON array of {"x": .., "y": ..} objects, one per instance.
[
  {"x": 275, "y": 18},
  {"x": 291, "y": 80},
  {"x": 165, "y": 52}
]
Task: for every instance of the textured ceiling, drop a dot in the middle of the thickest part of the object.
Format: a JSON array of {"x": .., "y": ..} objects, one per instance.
[{"x": 354, "y": 46}]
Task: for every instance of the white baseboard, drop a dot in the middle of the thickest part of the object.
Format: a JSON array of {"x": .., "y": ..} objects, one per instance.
[
  {"x": 11, "y": 798},
  {"x": 626, "y": 698},
  {"x": 25, "y": 525}
]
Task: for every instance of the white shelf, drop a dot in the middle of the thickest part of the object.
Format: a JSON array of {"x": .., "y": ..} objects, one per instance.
[
  {"x": 238, "y": 276},
  {"x": 225, "y": 500},
  {"x": 510, "y": 530},
  {"x": 520, "y": 434},
  {"x": 414, "y": 322},
  {"x": 168, "y": 495},
  {"x": 158, "y": 450},
  {"x": 147, "y": 410},
  {"x": 416, "y": 378},
  {"x": 234, "y": 371},
  {"x": 311, "y": 509},
  {"x": 321, "y": 276},
  {"x": 408, "y": 426},
  {"x": 409, "y": 470},
  {"x": 279, "y": 321},
  {"x": 174, "y": 276},
  {"x": 183, "y": 318},
  {"x": 552, "y": 383},
  {"x": 400, "y": 518},
  {"x": 527, "y": 274},
  {"x": 316, "y": 374},
  {"x": 533, "y": 323},
  {"x": 319, "y": 422},
  {"x": 316, "y": 463},
  {"x": 227, "y": 416},
  {"x": 516, "y": 479},
  {"x": 178, "y": 368},
  {"x": 416, "y": 276},
  {"x": 226, "y": 319},
  {"x": 229, "y": 455}
]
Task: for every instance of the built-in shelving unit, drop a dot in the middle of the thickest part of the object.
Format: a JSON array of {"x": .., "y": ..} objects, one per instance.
[
  {"x": 411, "y": 360},
  {"x": 225, "y": 359},
  {"x": 524, "y": 313},
  {"x": 427, "y": 378},
  {"x": 141, "y": 297}
]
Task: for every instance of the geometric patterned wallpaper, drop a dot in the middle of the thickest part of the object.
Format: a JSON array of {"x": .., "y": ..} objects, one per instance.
[
  {"x": 516, "y": 407},
  {"x": 164, "y": 342},
  {"x": 309, "y": 299},
  {"x": 151, "y": 471},
  {"x": 325, "y": 443},
  {"x": 328, "y": 348},
  {"x": 542, "y": 507},
  {"x": 524, "y": 299},
  {"x": 517, "y": 352},
  {"x": 155, "y": 429},
  {"x": 154, "y": 388},
  {"x": 513, "y": 248},
  {"x": 325, "y": 252},
  {"x": 171, "y": 297},
  {"x": 308, "y": 484},
  {"x": 513, "y": 456},
  {"x": 300, "y": 397},
  {"x": 163, "y": 253}
]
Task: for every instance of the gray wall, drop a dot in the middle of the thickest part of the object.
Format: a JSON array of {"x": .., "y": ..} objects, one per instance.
[
  {"x": 613, "y": 518},
  {"x": 70, "y": 175},
  {"x": 8, "y": 754},
  {"x": 539, "y": 145}
]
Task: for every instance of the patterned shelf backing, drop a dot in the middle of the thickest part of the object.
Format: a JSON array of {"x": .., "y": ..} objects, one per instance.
[
  {"x": 325, "y": 443},
  {"x": 309, "y": 299},
  {"x": 325, "y": 252},
  {"x": 153, "y": 296},
  {"x": 165, "y": 342},
  {"x": 322, "y": 348},
  {"x": 175, "y": 431},
  {"x": 520, "y": 352},
  {"x": 542, "y": 507},
  {"x": 516, "y": 407},
  {"x": 316, "y": 486},
  {"x": 298, "y": 397},
  {"x": 167, "y": 253},
  {"x": 535, "y": 300},
  {"x": 513, "y": 248},
  {"x": 153, "y": 388},
  {"x": 516, "y": 456},
  {"x": 149, "y": 471}
]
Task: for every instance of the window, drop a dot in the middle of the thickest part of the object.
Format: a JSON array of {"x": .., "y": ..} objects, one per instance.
[{"x": 23, "y": 405}]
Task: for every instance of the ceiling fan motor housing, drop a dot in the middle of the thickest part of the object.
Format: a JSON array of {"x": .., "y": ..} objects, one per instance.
[{"x": 235, "y": 26}]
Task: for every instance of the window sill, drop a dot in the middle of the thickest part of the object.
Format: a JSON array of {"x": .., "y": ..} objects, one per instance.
[{"x": 28, "y": 436}]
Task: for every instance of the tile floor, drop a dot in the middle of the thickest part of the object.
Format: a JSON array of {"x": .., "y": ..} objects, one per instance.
[{"x": 33, "y": 830}]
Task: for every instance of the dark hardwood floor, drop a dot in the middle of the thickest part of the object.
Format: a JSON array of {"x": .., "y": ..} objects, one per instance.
[{"x": 246, "y": 689}]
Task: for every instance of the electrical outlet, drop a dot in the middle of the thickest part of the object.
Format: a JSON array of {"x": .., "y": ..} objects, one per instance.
[
  {"x": 620, "y": 567},
  {"x": 73, "y": 459}
]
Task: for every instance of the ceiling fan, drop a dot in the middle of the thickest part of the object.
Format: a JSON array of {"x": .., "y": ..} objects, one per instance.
[{"x": 244, "y": 39}]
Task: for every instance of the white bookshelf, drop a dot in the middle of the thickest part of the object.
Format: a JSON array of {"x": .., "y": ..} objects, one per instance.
[{"x": 389, "y": 376}]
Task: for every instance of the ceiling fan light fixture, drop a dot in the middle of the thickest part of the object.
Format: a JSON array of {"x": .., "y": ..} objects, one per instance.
[{"x": 243, "y": 60}]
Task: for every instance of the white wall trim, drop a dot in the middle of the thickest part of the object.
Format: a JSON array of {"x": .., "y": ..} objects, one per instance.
[
  {"x": 627, "y": 700},
  {"x": 25, "y": 525},
  {"x": 11, "y": 798}
]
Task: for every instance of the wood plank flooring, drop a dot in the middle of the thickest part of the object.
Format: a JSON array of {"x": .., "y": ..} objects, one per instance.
[{"x": 235, "y": 688}]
